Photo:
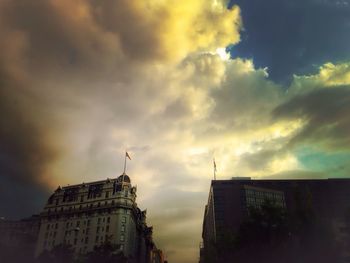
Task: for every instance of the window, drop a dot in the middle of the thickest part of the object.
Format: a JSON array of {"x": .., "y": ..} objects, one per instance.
[
  {"x": 86, "y": 240},
  {"x": 107, "y": 228},
  {"x": 98, "y": 220},
  {"x": 123, "y": 228},
  {"x": 108, "y": 219},
  {"x": 95, "y": 191},
  {"x": 124, "y": 219},
  {"x": 48, "y": 226},
  {"x": 122, "y": 238},
  {"x": 71, "y": 194},
  {"x": 107, "y": 194},
  {"x": 75, "y": 241},
  {"x": 104, "y": 219},
  {"x": 97, "y": 229},
  {"x": 96, "y": 240},
  {"x": 78, "y": 223},
  {"x": 82, "y": 198}
]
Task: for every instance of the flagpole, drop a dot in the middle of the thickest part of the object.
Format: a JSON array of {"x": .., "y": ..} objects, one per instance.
[
  {"x": 124, "y": 164},
  {"x": 124, "y": 171},
  {"x": 214, "y": 164}
]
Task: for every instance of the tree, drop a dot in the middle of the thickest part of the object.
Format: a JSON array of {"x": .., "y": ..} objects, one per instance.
[
  {"x": 62, "y": 253},
  {"x": 106, "y": 253}
]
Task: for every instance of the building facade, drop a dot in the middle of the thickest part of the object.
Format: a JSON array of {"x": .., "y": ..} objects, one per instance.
[
  {"x": 18, "y": 235},
  {"x": 87, "y": 215},
  {"x": 229, "y": 200}
]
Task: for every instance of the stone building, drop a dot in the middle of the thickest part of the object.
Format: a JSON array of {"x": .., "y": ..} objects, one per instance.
[{"x": 88, "y": 214}]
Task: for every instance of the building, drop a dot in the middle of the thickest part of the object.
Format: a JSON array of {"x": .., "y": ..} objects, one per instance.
[
  {"x": 157, "y": 255},
  {"x": 88, "y": 214},
  {"x": 19, "y": 235},
  {"x": 229, "y": 200}
]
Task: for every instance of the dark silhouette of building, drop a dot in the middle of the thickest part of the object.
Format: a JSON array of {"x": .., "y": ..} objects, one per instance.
[
  {"x": 229, "y": 200},
  {"x": 18, "y": 238}
]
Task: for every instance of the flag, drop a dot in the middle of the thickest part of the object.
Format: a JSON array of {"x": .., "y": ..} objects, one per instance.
[
  {"x": 214, "y": 165},
  {"x": 127, "y": 155}
]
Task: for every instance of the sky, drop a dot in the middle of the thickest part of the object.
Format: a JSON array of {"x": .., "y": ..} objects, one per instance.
[{"x": 261, "y": 86}]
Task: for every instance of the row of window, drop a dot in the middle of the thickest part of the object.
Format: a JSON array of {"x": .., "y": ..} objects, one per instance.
[
  {"x": 71, "y": 195},
  {"x": 80, "y": 207},
  {"x": 250, "y": 192},
  {"x": 77, "y": 223},
  {"x": 89, "y": 213},
  {"x": 86, "y": 239}
]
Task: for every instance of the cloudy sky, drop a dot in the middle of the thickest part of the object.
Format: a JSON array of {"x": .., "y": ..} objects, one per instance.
[{"x": 262, "y": 86}]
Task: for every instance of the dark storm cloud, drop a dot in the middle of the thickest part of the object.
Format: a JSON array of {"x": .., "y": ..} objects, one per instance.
[
  {"x": 326, "y": 113},
  {"x": 23, "y": 157},
  {"x": 83, "y": 80},
  {"x": 39, "y": 41},
  {"x": 294, "y": 37}
]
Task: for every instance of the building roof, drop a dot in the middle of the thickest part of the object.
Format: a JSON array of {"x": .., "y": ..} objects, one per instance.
[{"x": 123, "y": 178}]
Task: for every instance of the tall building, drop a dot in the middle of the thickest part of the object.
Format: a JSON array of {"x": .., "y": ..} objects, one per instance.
[
  {"x": 88, "y": 214},
  {"x": 229, "y": 200}
]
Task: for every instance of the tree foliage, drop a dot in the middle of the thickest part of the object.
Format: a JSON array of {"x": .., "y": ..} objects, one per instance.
[
  {"x": 106, "y": 253},
  {"x": 62, "y": 253}
]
